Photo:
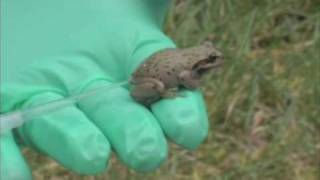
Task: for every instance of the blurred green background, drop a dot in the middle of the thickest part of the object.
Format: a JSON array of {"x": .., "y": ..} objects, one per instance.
[{"x": 264, "y": 108}]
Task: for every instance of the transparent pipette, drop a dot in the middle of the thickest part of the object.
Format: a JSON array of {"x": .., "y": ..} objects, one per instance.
[{"x": 15, "y": 119}]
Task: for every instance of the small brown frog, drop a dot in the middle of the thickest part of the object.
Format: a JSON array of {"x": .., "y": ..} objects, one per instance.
[{"x": 161, "y": 75}]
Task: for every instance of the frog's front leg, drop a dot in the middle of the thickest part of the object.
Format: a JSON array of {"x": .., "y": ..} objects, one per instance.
[
  {"x": 147, "y": 90},
  {"x": 188, "y": 80}
]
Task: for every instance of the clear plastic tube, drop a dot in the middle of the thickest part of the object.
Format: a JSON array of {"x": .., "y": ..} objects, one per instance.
[{"x": 15, "y": 119}]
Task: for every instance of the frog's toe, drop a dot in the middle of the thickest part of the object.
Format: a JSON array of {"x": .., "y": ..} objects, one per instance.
[
  {"x": 169, "y": 95},
  {"x": 182, "y": 94}
]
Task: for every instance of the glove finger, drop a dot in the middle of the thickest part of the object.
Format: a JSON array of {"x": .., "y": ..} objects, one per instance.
[
  {"x": 12, "y": 164},
  {"x": 132, "y": 130},
  {"x": 67, "y": 136},
  {"x": 183, "y": 119}
]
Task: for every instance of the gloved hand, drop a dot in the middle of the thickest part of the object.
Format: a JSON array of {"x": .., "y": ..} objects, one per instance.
[
  {"x": 54, "y": 49},
  {"x": 12, "y": 165}
]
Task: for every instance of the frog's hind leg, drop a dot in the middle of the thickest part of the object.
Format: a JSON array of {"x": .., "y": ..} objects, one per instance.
[
  {"x": 147, "y": 90},
  {"x": 151, "y": 84}
]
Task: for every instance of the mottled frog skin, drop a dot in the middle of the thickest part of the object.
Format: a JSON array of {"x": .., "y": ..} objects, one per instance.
[{"x": 165, "y": 72}]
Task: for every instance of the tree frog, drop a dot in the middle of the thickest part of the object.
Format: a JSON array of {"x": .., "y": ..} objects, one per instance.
[{"x": 166, "y": 71}]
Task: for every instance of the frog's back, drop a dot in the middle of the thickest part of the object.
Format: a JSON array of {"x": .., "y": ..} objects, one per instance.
[{"x": 164, "y": 66}]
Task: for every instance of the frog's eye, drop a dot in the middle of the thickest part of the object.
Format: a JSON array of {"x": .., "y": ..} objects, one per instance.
[{"x": 213, "y": 58}]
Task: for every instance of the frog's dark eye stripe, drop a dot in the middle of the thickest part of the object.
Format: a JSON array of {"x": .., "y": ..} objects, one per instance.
[
  {"x": 202, "y": 71},
  {"x": 213, "y": 58},
  {"x": 199, "y": 64}
]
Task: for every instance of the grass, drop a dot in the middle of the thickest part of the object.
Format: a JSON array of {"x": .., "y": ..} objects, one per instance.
[{"x": 264, "y": 108}]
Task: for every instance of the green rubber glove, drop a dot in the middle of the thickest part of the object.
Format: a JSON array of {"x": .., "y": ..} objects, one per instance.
[
  {"x": 12, "y": 165},
  {"x": 54, "y": 49}
]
